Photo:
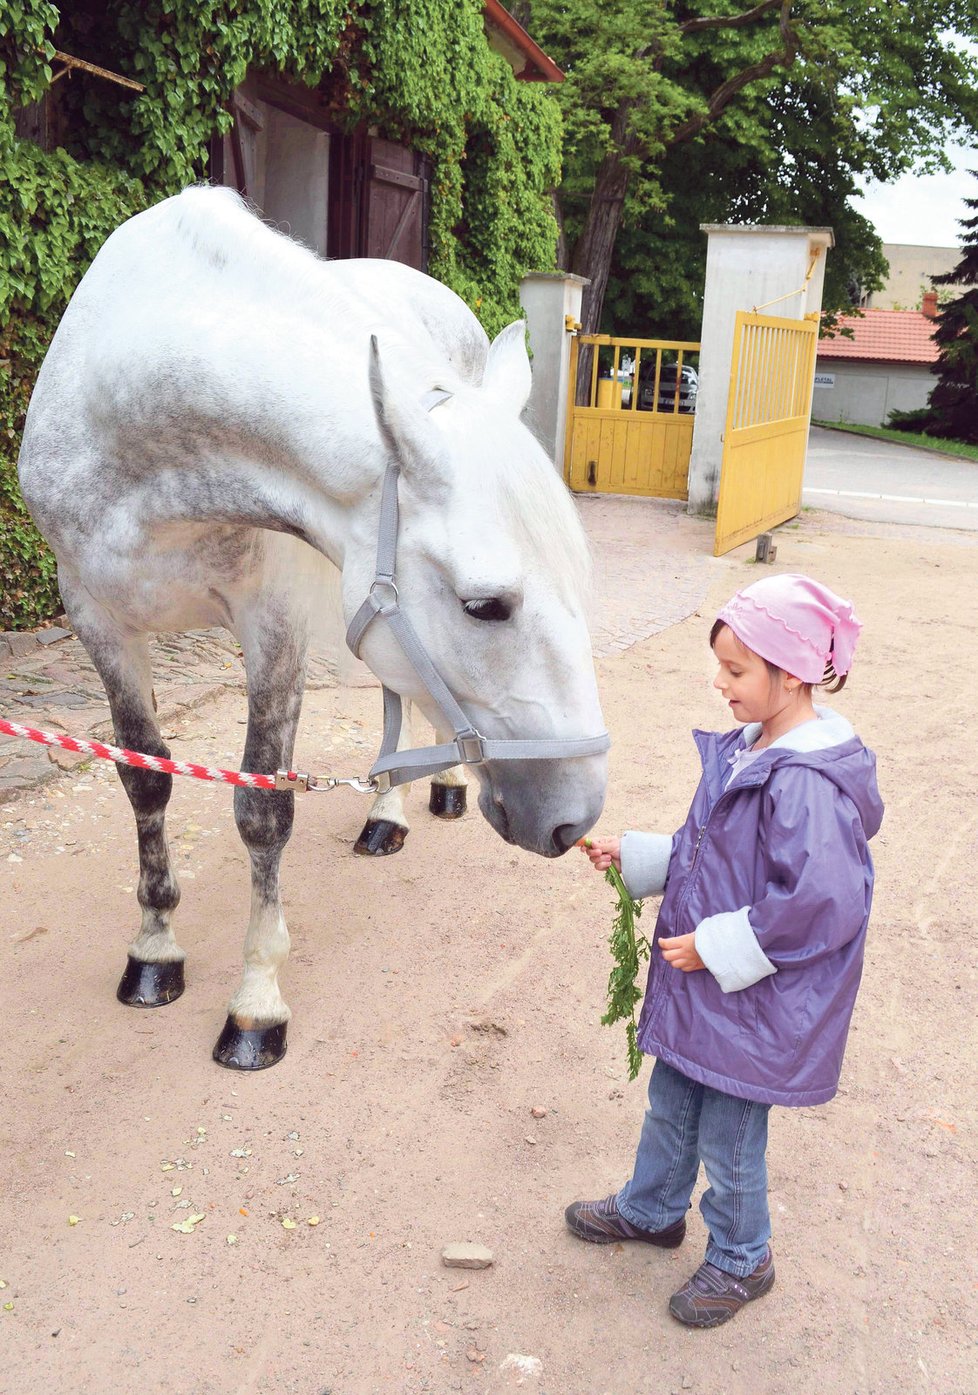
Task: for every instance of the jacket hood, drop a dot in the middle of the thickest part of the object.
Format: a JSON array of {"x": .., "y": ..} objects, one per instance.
[{"x": 827, "y": 744}]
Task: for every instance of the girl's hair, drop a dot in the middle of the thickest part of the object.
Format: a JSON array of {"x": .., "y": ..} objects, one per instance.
[{"x": 831, "y": 681}]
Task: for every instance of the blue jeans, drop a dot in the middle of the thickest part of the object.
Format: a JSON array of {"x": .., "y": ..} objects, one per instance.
[{"x": 686, "y": 1124}]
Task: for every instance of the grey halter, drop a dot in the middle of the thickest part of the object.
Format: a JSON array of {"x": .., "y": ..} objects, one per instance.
[{"x": 468, "y": 747}]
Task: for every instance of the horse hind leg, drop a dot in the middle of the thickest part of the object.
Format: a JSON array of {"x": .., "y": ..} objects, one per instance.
[
  {"x": 154, "y": 973},
  {"x": 254, "y": 1035}
]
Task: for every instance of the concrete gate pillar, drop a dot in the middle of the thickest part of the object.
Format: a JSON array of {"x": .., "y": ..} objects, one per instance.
[
  {"x": 548, "y": 298},
  {"x": 746, "y": 267}
]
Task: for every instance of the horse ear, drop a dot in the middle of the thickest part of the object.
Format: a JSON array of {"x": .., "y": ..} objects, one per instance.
[
  {"x": 403, "y": 423},
  {"x": 507, "y": 377}
]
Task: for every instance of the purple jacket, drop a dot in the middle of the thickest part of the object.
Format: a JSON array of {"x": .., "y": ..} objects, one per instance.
[{"x": 773, "y": 874}]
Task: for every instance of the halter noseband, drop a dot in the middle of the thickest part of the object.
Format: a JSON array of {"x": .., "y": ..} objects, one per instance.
[{"x": 468, "y": 747}]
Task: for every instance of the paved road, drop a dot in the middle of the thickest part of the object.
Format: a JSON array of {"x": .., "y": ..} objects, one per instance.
[{"x": 864, "y": 478}]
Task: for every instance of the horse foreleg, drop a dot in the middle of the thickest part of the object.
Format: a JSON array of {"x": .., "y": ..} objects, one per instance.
[
  {"x": 447, "y": 799},
  {"x": 254, "y": 1034},
  {"x": 154, "y": 972},
  {"x": 387, "y": 827}
]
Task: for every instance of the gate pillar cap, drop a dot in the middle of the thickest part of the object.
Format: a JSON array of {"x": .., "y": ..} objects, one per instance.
[{"x": 824, "y": 236}]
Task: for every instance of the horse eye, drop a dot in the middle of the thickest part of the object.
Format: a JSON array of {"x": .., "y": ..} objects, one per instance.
[{"x": 489, "y": 608}]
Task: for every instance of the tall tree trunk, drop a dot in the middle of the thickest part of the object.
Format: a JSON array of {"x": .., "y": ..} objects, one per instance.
[
  {"x": 594, "y": 247},
  {"x": 596, "y": 244}
]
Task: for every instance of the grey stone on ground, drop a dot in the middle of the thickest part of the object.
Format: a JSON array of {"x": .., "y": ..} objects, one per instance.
[
  {"x": 466, "y": 1256},
  {"x": 19, "y": 643}
]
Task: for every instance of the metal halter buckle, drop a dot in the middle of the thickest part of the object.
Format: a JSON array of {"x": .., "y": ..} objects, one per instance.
[
  {"x": 471, "y": 748},
  {"x": 387, "y": 581}
]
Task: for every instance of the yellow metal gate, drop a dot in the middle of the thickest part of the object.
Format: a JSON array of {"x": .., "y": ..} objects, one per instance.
[
  {"x": 766, "y": 436},
  {"x": 635, "y": 434}
]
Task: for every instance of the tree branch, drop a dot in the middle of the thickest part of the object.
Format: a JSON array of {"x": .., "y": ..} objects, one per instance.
[
  {"x": 725, "y": 93},
  {"x": 693, "y": 26}
]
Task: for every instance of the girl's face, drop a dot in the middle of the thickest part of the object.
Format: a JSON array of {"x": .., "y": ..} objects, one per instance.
[{"x": 747, "y": 684}]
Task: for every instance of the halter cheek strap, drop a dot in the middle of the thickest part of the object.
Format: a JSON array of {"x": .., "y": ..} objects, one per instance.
[{"x": 468, "y": 747}]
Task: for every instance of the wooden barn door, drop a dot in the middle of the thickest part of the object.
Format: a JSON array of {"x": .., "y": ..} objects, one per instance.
[
  {"x": 379, "y": 201},
  {"x": 244, "y": 171},
  {"x": 355, "y": 195},
  {"x": 396, "y": 205}
]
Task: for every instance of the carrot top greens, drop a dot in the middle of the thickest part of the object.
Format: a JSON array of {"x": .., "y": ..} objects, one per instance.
[{"x": 628, "y": 950}]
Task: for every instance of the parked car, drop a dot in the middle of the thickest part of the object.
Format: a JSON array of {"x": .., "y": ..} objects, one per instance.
[{"x": 688, "y": 387}]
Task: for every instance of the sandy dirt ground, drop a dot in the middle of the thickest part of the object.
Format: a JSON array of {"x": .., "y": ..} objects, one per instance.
[{"x": 441, "y": 995}]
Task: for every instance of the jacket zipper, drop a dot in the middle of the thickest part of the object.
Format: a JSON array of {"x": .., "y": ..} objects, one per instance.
[
  {"x": 682, "y": 900},
  {"x": 689, "y": 884},
  {"x": 696, "y": 849}
]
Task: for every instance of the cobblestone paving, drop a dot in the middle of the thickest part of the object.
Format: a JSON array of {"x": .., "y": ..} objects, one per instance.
[{"x": 652, "y": 568}]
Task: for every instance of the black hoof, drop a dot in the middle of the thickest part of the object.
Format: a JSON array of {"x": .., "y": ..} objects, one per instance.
[
  {"x": 380, "y": 837},
  {"x": 150, "y": 985},
  {"x": 447, "y": 801},
  {"x": 250, "y": 1048}
]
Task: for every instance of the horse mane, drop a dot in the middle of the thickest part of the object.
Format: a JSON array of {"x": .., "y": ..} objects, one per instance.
[
  {"x": 523, "y": 488},
  {"x": 227, "y": 230}
]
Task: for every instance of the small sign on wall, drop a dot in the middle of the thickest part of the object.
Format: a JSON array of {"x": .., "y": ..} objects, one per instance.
[{"x": 825, "y": 380}]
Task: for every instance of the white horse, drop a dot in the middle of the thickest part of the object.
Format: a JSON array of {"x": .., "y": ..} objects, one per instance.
[{"x": 217, "y": 407}]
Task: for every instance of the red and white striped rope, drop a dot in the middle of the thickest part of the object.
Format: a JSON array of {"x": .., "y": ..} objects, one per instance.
[{"x": 141, "y": 761}]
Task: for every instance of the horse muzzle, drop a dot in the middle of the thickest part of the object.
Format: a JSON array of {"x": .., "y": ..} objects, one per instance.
[{"x": 543, "y": 806}]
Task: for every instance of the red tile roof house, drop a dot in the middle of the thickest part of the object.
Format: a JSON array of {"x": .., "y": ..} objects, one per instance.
[{"x": 885, "y": 367}]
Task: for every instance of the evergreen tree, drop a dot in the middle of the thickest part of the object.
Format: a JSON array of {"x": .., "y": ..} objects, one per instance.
[{"x": 952, "y": 411}]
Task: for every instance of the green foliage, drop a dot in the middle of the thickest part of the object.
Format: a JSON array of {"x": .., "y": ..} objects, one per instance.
[
  {"x": 952, "y": 408},
  {"x": 659, "y": 265},
  {"x": 422, "y": 73},
  {"x": 775, "y": 119},
  {"x": 28, "y": 585},
  {"x": 494, "y": 144},
  {"x": 628, "y": 950},
  {"x": 909, "y": 431}
]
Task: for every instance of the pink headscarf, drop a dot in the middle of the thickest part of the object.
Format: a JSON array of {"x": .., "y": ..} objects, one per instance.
[{"x": 795, "y": 623}]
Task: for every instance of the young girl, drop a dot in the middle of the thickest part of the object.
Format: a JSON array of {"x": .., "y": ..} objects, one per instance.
[{"x": 758, "y": 948}]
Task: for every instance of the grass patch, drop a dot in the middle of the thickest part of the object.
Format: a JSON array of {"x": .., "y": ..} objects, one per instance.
[{"x": 961, "y": 450}]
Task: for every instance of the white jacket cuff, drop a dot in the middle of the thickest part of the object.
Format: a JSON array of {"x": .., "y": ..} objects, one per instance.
[
  {"x": 728, "y": 947},
  {"x": 645, "y": 862}
]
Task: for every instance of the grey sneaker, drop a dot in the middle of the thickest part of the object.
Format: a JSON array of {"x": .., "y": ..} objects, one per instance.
[
  {"x": 713, "y": 1296},
  {"x": 602, "y": 1223}
]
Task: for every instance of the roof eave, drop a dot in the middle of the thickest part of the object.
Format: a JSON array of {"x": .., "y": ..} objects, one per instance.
[{"x": 537, "y": 67}]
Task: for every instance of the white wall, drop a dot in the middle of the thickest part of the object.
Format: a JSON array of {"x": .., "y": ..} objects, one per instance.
[
  {"x": 547, "y": 299},
  {"x": 746, "y": 267},
  {"x": 296, "y": 171},
  {"x": 866, "y": 393}
]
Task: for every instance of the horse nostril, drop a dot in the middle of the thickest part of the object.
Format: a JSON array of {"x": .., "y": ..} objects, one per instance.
[{"x": 564, "y": 837}]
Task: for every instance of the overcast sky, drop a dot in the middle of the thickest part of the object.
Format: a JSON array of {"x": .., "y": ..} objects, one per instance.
[{"x": 923, "y": 208}]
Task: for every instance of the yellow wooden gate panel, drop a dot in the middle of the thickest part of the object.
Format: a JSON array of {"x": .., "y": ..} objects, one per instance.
[
  {"x": 768, "y": 413},
  {"x": 616, "y": 449}
]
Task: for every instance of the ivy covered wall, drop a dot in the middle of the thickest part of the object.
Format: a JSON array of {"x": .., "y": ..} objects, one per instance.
[{"x": 421, "y": 73}]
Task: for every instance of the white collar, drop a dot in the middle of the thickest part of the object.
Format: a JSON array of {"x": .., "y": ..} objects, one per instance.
[{"x": 826, "y": 728}]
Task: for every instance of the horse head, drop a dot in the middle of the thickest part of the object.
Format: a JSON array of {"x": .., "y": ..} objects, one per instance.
[{"x": 492, "y": 576}]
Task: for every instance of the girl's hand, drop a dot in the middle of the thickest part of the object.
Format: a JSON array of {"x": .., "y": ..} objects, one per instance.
[
  {"x": 602, "y": 852},
  {"x": 680, "y": 952}
]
